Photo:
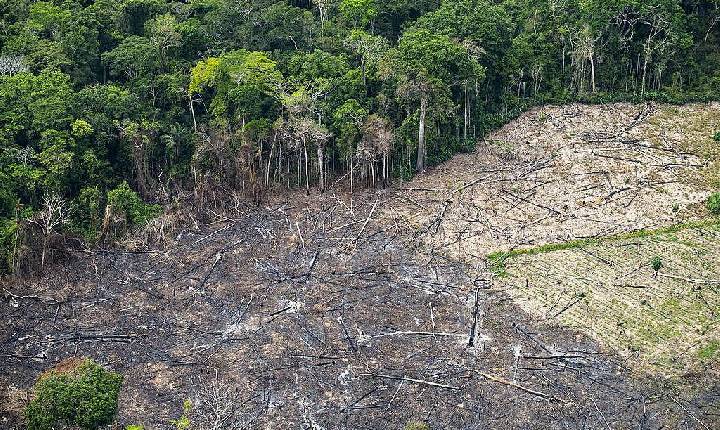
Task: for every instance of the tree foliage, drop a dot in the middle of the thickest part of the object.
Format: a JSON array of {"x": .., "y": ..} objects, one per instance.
[{"x": 254, "y": 95}]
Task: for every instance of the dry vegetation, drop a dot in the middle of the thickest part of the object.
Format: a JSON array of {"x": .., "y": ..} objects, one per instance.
[
  {"x": 562, "y": 173},
  {"x": 335, "y": 312},
  {"x": 664, "y": 322}
]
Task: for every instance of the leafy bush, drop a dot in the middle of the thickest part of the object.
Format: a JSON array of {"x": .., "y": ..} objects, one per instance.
[
  {"x": 77, "y": 393},
  {"x": 657, "y": 264},
  {"x": 8, "y": 229},
  {"x": 124, "y": 200},
  {"x": 716, "y": 138},
  {"x": 417, "y": 425},
  {"x": 183, "y": 423},
  {"x": 713, "y": 204},
  {"x": 87, "y": 216}
]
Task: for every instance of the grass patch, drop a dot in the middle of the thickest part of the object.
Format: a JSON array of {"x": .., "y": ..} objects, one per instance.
[
  {"x": 709, "y": 352},
  {"x": 498, "y": 260}
]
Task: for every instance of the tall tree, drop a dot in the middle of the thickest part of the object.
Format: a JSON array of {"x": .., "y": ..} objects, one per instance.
[{"x": 426, "y": 66}]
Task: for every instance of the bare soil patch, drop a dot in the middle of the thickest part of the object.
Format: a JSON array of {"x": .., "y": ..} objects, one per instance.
[{"x": 562, "y": 173}]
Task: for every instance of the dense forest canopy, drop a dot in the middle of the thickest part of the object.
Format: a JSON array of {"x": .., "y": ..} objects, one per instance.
[{"x": 109, "y": 105}]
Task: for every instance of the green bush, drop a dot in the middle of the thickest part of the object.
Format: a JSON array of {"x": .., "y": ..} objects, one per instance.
[
  {"x": 124, "y": 200},
  {"x": 713, "y": 204},
  {"x": 86, "y": 213},
  {"x": 657, "y": 264},
  {"x": 8, "y": 230},
  {"x": 417, "y": 425},
  {"x": 84, "y": 396},
  {"x": 716, "y": 138},
  {"x": 183, "y": 423}
]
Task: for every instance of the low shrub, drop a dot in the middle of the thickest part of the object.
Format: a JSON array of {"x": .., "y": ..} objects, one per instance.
[
  {"x": 76, "y": 393},
  {"x": 417, "y": 425},
  {"x": 716, "y": 138},
  {"x": 183, "y": 423},
  {"x": 657, "y": 264},
  {"x": 124, "y": 200},
  {"x": 713, "y": 204}
]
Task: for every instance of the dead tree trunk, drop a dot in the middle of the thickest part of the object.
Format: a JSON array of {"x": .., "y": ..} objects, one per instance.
[
  {"x": 467, "y": 114},
  {"x": 321, "y": 164},
  {"x": 307, "y": 170},
  {"x": 422, "y": 146}
]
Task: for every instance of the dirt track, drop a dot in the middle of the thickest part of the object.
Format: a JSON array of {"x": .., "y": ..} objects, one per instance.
[{"x": 325, "y": 313}]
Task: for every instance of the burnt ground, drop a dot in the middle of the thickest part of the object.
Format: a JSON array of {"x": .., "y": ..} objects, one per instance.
[
  {"x": 312, "y": 317},
  {"x": 323, "y": 312}
]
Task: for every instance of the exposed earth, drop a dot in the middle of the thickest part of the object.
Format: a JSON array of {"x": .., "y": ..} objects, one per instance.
[{"x": 372, "y": 310}]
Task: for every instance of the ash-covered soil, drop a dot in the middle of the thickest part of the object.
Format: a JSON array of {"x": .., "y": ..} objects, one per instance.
[{"x": 325, "y": 312}]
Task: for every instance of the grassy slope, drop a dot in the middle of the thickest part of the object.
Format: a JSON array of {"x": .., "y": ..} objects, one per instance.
[{"x": 666, "y": 323}]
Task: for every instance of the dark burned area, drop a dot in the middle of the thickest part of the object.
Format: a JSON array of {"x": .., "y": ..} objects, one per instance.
[{"x": 318, "y": 314}]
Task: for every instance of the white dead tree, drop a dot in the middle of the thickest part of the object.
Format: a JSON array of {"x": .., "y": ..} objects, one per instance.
[
  {"x": 377, "y": 140},
  {"x": 218, "y": 405},
  {"x": 54, "y": 214},
  {"x": 322, "y": 6},
  {"x": 655, "y": 46},
  {"x": 583, "y": 54},
  {"x": 658, "y": 42},
  {"x": 12, "y": 64}
]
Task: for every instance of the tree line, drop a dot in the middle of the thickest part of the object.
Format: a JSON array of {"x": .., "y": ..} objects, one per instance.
[{"x": 109, "y": 104}]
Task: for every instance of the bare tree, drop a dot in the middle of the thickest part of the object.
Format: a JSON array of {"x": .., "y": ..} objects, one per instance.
[
  {"x": 215, "y": 407},
  {"x": 219, "y": 405},
  {"x": 658, "y": 42},
  {"x": 377, "y": 139},
  {"x": 54, "y": 214},
  {"x": 12, "y": 64},
  {"x": 583, "y": 54},
  {"x": 322, "y": 6},
  {"x": 307, "y": 132}
]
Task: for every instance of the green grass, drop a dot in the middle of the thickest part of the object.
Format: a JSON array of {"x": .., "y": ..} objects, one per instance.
[
  {"x": 709, "y": 352},
  {"x": 713, "y": 204},
  {"x": 497, "y": 260}
]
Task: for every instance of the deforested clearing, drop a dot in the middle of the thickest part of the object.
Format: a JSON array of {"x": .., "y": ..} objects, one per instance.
[
  {"x": 563, "y": 173},
  {"x": 563, "y": 275},
  {"x": 664, "y": 322}
]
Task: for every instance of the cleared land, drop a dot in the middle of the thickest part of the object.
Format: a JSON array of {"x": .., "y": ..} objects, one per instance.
[
  {"x": 367, "y": 312},
  {"x": 665, "y": 322},
  {"x": 315, "y": 317},
  {"x": 562, "y": 173}
]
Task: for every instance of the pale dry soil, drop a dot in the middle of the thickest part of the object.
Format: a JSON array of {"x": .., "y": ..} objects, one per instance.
[
  {"x": 562, "y": 173},
  {"x": 368, "y": 311}
]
